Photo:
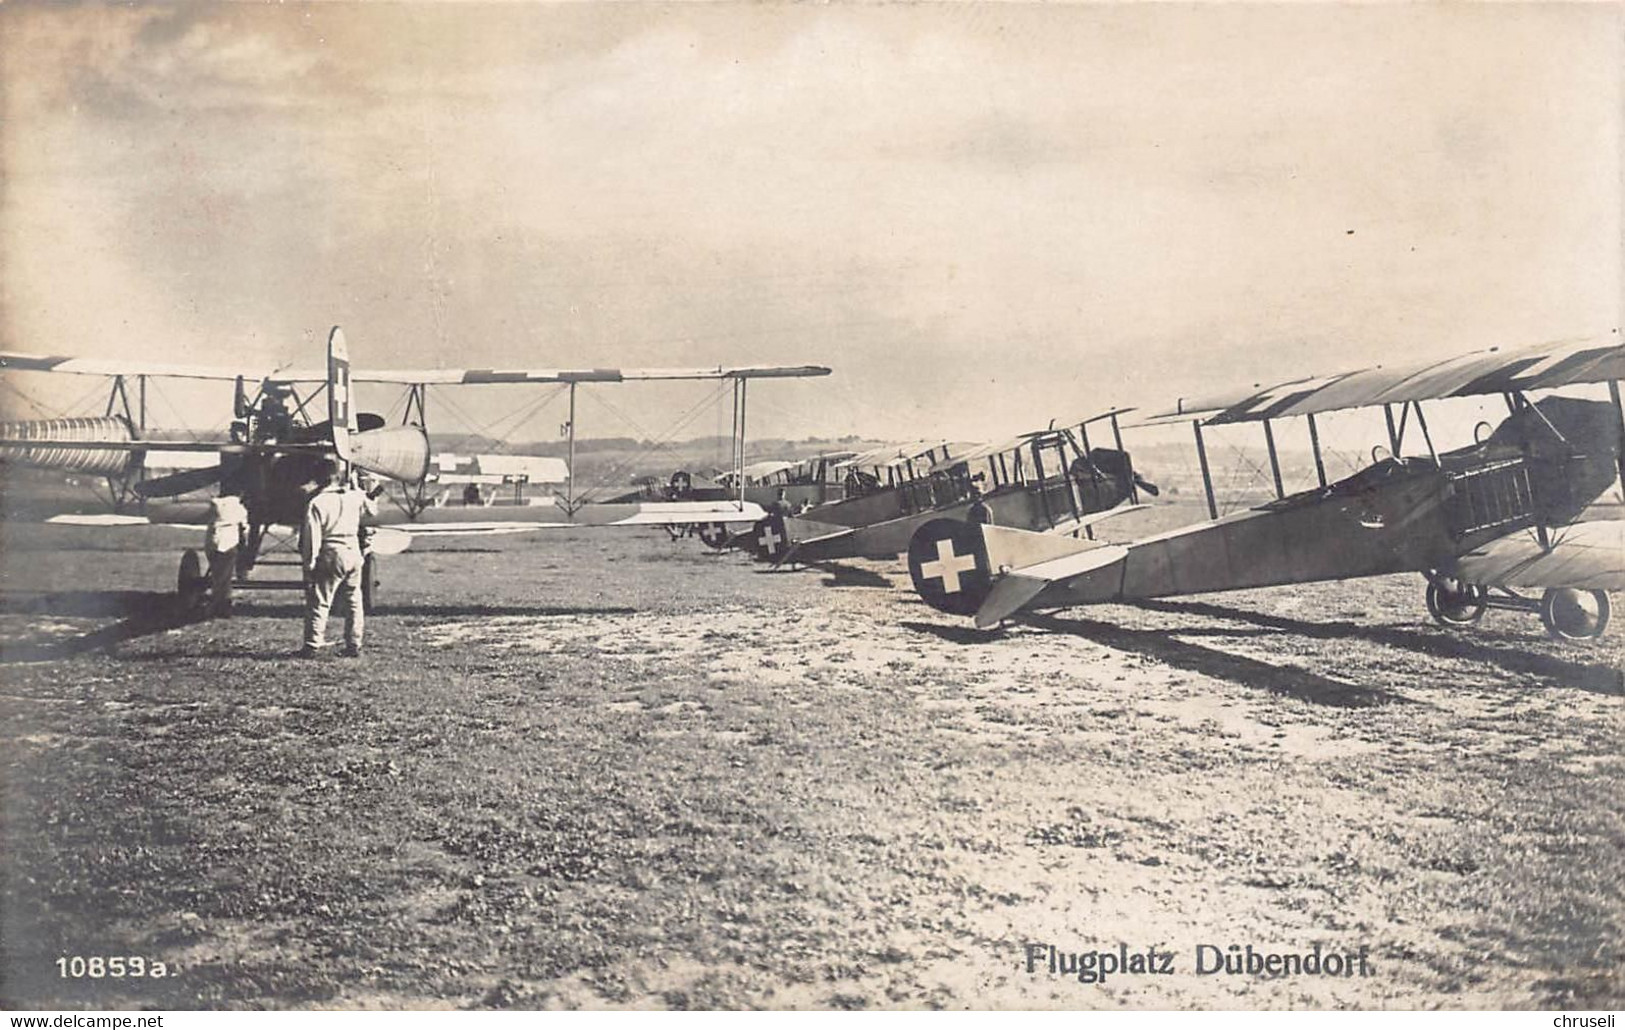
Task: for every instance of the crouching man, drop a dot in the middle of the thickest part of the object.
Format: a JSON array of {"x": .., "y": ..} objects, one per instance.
[{"x": 331, "y": 548}]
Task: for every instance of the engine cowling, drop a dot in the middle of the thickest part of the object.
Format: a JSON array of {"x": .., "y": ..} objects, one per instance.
[{"x": 399, "y": 452}]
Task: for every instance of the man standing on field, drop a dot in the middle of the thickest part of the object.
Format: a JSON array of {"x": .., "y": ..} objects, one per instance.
[{"x": 331, "y": 547}]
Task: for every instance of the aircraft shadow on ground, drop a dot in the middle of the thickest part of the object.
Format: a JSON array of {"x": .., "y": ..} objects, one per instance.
[
  {"x": 139, "y": 614},
  {"x": 1288, "y": 681},
  {"x": 89, "y": 604},
  {"x": 1248, "y": 672},
  {"x": 850, "y": 576},
  {"x": 1594, "y": 677},
  {"x": 144, "y": 613}
]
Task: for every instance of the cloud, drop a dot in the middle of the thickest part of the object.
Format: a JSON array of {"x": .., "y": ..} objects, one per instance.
[{"x": 1052, "y": 198}]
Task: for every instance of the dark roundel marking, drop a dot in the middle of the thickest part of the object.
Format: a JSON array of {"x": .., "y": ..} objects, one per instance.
[
  {"x": 769, "y": 540},
  {"x": 948, "y": 564},
  {"x": 715, "y": 534}
]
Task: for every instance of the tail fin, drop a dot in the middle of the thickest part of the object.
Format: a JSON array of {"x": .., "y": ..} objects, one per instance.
[
  {"x": 1017, "y": 589},
  {"x": 340, "y": 409},
  {"x": 992, "y": 572},
  {"x": 948, "y": 562}
]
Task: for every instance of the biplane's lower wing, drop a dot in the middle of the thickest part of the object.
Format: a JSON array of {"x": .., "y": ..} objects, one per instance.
[
  {"x": 1583, "y": 556},
  {"x": 475, "y": 520},
  {"x": 113, "y": 519}
]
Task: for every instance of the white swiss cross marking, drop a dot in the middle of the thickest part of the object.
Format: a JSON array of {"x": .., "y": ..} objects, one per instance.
[
  {"x": 948, "y": 566},
  {"x": 341, "y": 395},
  {"x": 770, "y": 540}
]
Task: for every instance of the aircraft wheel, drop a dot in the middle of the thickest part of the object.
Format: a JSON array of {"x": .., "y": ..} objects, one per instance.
[
  {"x": 191, "y": 583},
  {"x": 369, "y": 582},
  {"x": 1575, "y": 614},
  {"x": 1454, "y": 603}
]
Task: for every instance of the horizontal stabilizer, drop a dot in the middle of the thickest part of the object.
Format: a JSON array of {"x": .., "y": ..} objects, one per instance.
[
  {"x": 1013, "y": 550},
  {"x": 812, "y": 549},
  {"x": 1014, "y": 591}
]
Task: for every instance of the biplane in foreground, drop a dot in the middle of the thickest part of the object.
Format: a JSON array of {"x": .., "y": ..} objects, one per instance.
[
  {"x": 278, "y": 444},
  {"x": 1052, "y": 480},
  {"x": 1483, "y": 523}
]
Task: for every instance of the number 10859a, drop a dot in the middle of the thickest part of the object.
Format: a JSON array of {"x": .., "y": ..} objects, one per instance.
[{"x": 96, "y": 967}]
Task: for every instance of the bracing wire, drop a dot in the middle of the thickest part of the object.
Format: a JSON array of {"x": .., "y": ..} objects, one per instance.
[
  {"x": 20, "y": 395},
  {"x": 660, "y": 444}
]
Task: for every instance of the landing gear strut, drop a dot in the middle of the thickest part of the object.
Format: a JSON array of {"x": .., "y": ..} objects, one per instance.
[{"x": 369, "y": 581}]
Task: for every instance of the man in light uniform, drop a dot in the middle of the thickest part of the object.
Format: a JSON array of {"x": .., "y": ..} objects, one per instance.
[
  {"x": 228, "y": 526},
  {"x": 331, "y": 548}
]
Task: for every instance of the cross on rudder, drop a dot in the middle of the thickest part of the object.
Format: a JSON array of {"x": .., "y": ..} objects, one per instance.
[{"x": 948, "y": 566}]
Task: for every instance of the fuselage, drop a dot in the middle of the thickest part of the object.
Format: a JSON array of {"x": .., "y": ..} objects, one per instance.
[{"x": 1542, "y": 466}]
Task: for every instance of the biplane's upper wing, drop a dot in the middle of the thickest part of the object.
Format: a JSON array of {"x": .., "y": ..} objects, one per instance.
[
  {"x": 1584, "y": 556},
  {"x": 491, "y": 376},
  {"x": 763, "y": 469},
  {"x": 1487, "y": 372},
  {"x": 429, "y": 376},
  {"x": 12, "y": 361}
]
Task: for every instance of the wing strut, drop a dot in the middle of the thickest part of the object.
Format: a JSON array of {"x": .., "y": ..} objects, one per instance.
[
  {"x": 417, "y": 402},
  {"x": 1207, "y": 476},
  {"x": 1314, "y": 445},
  {"x": 1275, "y": 460},
  {"x": 739, "y": 440},
  {"x": 1117, "y": 435},
  {"x": 1619, "y": 409},
  {"x": 1422, "y": 423},
  {"x": 121, "y": 487},
  {"x": 570, "y": 456}
]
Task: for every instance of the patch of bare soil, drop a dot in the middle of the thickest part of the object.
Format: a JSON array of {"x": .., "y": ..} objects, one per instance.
[{"x": 606, "y": 770}]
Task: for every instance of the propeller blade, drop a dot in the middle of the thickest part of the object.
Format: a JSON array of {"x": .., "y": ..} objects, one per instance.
[{"x": 178, "y": 483}]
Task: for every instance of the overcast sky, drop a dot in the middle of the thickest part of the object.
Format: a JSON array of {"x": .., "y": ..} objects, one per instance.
[{"x": 982, "y": 216}]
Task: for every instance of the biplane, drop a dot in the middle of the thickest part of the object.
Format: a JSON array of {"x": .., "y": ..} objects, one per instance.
[
  {"x": 1052, "y": 480},
  {"x": 279, "y": 440},
  {"x": 798, "y": 484},
  {"x": 1486, "y": 524}
]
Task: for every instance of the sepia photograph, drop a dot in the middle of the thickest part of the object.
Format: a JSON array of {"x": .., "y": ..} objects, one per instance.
[{"x": 811, "y": 506}]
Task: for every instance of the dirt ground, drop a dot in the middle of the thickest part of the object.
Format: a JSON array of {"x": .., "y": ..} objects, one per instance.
[{"x": 607, "y": 770}]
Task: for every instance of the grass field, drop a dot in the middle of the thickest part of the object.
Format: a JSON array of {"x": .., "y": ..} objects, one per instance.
[{"x": 595, "y": 770}]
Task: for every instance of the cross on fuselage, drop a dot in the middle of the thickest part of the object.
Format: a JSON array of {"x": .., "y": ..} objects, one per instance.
[
  {"x": 948, "y": 566},
  {"x": 770, "y": 540}
]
